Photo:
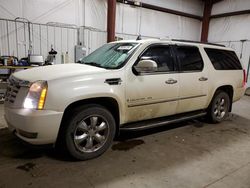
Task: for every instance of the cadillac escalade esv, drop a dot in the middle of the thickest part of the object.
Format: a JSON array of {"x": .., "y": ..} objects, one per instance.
[{"x": 124, "y": 85}]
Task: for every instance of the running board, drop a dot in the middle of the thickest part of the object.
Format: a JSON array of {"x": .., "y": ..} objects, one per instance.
[{"x": 147, "y": 124}]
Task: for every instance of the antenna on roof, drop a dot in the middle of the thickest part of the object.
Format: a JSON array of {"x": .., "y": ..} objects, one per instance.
[{"x": 139, "y": 37}]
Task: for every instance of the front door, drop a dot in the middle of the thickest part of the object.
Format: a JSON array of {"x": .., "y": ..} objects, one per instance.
[{"x": 153, "y": 94}]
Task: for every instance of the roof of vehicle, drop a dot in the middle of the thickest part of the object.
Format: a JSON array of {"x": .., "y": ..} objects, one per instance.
[{"x": 177, "y": 41}]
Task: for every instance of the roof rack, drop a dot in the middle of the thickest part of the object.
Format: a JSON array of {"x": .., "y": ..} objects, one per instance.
[{"x": 191, "y": 41}]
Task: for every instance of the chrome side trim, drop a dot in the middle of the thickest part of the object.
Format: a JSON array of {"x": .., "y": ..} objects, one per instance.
[{"x": 163, "y": 101}]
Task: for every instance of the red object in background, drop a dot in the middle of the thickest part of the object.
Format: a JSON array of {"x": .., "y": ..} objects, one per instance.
[{"x": 244, "y": 78}]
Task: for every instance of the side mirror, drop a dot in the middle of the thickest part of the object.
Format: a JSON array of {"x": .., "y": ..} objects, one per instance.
[{"x": 145, "y": 66}]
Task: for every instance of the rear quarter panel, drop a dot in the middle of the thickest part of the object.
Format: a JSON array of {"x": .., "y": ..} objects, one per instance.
[
  {"x": 233, "y": 78},
  {"x": 218, "y": 78}
]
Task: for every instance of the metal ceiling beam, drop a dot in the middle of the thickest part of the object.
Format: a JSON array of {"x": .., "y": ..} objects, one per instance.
[
  {"x": 161, "y": 9},
  {"x": 213, "y": 1},
  {"x": 206, "y": 19},
  {"x": 111, "y": 20},
  {"x": 236, "y": 13},
  {"x": 216, "y": 1}
]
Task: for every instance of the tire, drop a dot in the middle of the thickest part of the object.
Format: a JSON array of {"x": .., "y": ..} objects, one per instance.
[
  {"x": 89, "y": 132},
  {"x": 219, "y": 108}
]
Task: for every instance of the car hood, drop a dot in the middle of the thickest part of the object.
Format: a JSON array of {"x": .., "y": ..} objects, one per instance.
[{"x": 52, "y": 72}]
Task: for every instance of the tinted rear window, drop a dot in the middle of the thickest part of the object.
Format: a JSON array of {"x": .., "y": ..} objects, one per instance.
[
  {"x": 190, "y": 58},
  {"x": 223, "y": 59}
]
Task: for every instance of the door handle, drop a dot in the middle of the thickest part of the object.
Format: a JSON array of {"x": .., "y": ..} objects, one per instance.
[
  {"x": 171, "y": 81},
  {"x": 203, "y": 78}
]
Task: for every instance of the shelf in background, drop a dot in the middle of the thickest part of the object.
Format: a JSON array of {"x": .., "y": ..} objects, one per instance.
[{"x": 16, "y": 67}]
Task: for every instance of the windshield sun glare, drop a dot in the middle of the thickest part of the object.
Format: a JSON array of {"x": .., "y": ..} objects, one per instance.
[{"x": 111, "y": 55}]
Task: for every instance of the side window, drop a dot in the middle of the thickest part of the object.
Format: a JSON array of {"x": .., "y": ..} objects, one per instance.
[
  {"x": 190, "y": 58},
  {"x": 162, "y": 56},
  {"x": 223, "y": 59}
]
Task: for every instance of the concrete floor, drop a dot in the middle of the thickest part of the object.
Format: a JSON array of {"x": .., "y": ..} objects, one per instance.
[
  {"x": 191, "y": 154},
  {"x": 248, "y": 91}
]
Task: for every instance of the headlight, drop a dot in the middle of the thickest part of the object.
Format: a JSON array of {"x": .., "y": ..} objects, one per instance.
[{"x": 35, "y": 98}]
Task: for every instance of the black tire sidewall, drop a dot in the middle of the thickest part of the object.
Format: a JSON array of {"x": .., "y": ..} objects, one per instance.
[
  {"x": 219, "y": 94},
  {"x": 80, "y": 114}
]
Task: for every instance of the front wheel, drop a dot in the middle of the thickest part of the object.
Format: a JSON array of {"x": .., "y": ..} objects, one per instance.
[
  {"x": 219, "y": 107},
  {"x": 90, "y": 132}
]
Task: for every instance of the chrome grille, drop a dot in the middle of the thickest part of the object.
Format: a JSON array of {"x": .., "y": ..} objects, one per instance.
[
  {"x": 12, "y": 90},
  {"x": 16, "y": 92}
]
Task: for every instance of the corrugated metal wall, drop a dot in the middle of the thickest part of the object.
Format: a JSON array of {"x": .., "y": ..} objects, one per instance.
[
  {"x": 92, "y": 14},
  {"x": 14, "y": 39}
]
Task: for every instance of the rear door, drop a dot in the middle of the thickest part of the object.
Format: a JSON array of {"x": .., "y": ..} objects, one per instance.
[{"x": 193, "y": 79}]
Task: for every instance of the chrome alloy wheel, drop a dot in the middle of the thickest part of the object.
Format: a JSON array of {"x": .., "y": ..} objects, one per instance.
[
  {"x": 220, "y": 108},
  {"x": 91, "y": 133}
]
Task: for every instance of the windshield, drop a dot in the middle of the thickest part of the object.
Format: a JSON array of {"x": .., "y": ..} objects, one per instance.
[{"x": 111, "y": 55}]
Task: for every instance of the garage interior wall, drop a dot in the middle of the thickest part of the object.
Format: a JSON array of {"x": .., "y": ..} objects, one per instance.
[
  {"x": 155, "y": 24},
  {"x": 91, "y": 17},
  {"x": 233, "y": 31}
]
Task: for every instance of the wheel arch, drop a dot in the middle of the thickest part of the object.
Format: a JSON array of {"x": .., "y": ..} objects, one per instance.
[
  {"x": 229, "y": 90},
  {"x": 109, "y": 103}
]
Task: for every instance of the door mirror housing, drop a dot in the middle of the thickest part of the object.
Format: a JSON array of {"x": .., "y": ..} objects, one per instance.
[{"x": 146, "y": 66}]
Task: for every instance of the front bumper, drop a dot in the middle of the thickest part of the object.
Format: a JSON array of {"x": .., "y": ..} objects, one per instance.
[{"x": 36, "y": 127}]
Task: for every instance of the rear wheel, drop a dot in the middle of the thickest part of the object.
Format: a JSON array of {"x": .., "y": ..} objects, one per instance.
[
  {"x": 219, "y": 107},
  {"x": 90, "y": 132}
]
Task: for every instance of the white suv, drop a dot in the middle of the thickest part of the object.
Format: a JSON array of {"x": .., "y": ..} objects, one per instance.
[{"x": 125, "y": 85}]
